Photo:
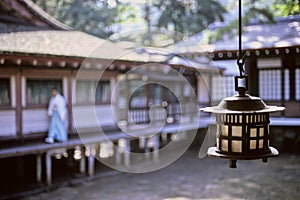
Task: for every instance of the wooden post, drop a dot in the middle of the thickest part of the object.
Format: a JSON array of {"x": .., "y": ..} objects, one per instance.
[
  {"x": 20, "y": 166},
  {"x": 127, "y": 95},
  {"x": 127, "y": 153},
  {"x": 155, "y": 152},
  {"x": 147, "y": 149},
  {"x": 117, "y": 154},
  {"x": 19, "y": 120},
  {"x": 69, "y": 96},
  {"x": 91, "y": 160},
  {"x": 48, "y": 168},
  {"x": 39, "y": 168},
  {"x": 164, "y": 138},
  {"x": 82, "y": 166}
]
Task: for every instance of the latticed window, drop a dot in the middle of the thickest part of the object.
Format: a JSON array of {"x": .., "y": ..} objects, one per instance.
[
  {"x": 38, "y": 92},
  {"x": 270, "y": 84},
  {"x": 156, "y": 94},
  {"x": 89, "y": 91},
  {"x": 4, "y": 92},
  {"x": 138, "y": 96},
  {"x": 222, "y": 87}
]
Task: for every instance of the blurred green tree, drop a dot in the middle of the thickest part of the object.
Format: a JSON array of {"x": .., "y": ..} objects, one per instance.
[
  {"x": 188, "y": 16},
  {"x": 286, "y": 7},
  {"x": 96, "y": 17}
]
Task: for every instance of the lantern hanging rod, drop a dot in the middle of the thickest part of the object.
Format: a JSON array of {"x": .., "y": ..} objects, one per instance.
[
  {"x": 241, "y": 59},
  {"x": 240, "y": 28}
]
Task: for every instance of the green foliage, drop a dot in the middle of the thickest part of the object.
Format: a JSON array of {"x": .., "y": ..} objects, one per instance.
[
  {"x": 173, "y": 19},
  {"x": 188, "y": 17},
  {"x": 286, "y": 7},
  {"x": 96, "y": 17},
  {"x": 254, "y": 11}
]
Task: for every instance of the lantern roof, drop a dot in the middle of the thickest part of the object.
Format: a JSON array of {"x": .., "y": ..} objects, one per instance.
[{"x": 242, "y": 104}]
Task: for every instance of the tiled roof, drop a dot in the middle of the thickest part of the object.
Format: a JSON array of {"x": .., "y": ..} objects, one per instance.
[
  {"x": 284, "y": 33},
  {"x": 76, "y": 44},
  {"x": 27, "y": 30},
  {"x": 64, "y": 43},
  {"x": 23, "y": 15}
]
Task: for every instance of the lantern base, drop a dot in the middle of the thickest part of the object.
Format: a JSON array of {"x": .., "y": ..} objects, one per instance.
[{"x": 214, "y": 152}]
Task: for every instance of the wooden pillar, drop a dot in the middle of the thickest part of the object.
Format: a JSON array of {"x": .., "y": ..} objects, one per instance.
[
  {"x": 82, "y": 166},
  {"x": 39, "y": 168},
  {"x": 127, "y": 153},
  {"x": 210, "y": 85},
  {"x": 20, "y": 166},
  {"x": 289, "y": 62},
  {"x": 253, "y": 79},
  {"x": 147, "y": 149},
  {"x": 117, "y": 154},
  {"x": 282, "y": 92},
  {"x": 127, "y": 96},
  {"x": 69, "y": 96},
  {"x": 191, "y": 100},
  {"x": 19, "y": 105},
  {"x": 164, "y": 138},
  {"x": 155, "y": 152},
  {"x": 91, "y": 160},
  {"x": 48, "y": 168}
]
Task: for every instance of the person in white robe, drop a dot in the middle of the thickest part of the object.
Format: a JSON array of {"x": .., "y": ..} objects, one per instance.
[{"x": 57, "y": 111}]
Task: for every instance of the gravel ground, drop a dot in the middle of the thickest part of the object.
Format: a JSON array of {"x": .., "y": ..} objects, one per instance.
[{"x": 191, "y": 178}]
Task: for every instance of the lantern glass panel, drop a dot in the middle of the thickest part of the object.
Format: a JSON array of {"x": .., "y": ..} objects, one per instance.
[
  {"x": 253, "y": 132},
  {"x": 225, "y": 130},
  {"x": 247, "y": 119},
  {"x": 236, "y": 146},
  {"x": 227, "y": 118},
  {"x": 261, "y": 131},
  {"x": 236, "y": 119},
  {"x": 250, "y": 118},
  {"x": 237, "y": 131},
  {"x": 224, "y": 145},
  {"x": 252, "y": 144},
  {"x": 261, "y": 144},
  {"x": 240, "y": 119},
  {"x": 218, "y": 130}
]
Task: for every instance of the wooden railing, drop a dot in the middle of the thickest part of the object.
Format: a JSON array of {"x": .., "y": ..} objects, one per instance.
[{"x": 172, "y": 113}]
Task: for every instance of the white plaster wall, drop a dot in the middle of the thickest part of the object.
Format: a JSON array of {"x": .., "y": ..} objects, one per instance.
[
  {"x": 8, "y": 123},
  {"x": 35, "y": 120},
  {"x": 92, "y": 116}
]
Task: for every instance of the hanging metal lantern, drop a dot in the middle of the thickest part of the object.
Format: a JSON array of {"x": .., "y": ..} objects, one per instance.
[
  {"x": 242, "y": 121},
  {"x": 242, "y": 126}
]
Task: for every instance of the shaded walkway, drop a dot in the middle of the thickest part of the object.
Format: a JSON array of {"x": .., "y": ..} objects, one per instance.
[{"x": 194, "y": 178}]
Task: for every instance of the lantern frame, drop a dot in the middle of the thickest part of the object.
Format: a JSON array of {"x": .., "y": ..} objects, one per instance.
[{"x": 242, "y": 122}]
